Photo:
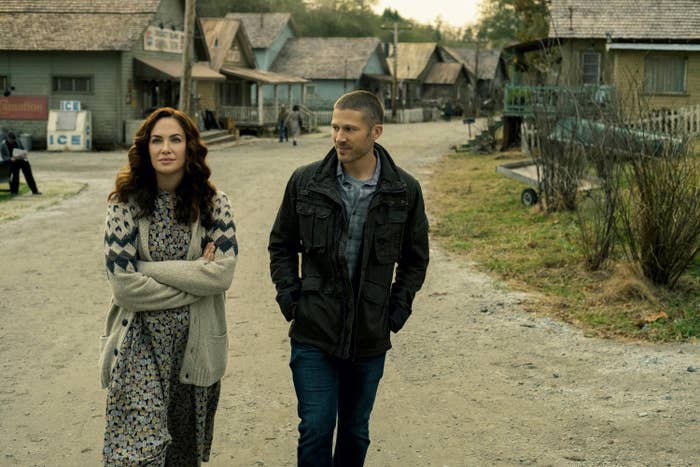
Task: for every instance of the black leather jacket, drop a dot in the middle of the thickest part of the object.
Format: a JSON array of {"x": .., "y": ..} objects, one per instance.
[{"x": 328, "y": 312}]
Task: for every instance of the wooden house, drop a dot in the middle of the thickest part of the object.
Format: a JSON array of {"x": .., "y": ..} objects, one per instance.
[
  {"x": 240, "y": 96},
  {"x": 448, "y": 83},
  {"x": 413, "y": 63},
  {"x": 489, "y": 68},
  {"x": 119, "y": 60},
  {"x": 333, "y": 66},
  {"x": 644, "y": 52}
]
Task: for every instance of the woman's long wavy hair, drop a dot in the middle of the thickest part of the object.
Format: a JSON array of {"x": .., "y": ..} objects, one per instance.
[{"x": 194, "y": 196}]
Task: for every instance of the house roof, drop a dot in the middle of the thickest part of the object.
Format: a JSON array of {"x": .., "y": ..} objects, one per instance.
[
  {"x": 625, "y": 19},
  {"x": 413, "y": 58},
  {"x": 327, "y": 57},
  {"x": 263, "y": 28},
  {"x": 73, "y": 24},
  {"x": 158, "y": 68},
  {"x": 488, "y": 60},
  {"x": 219, "y": 34},
  {"x": 445, "y": 73},
  {"x": 262, "y": 76}
]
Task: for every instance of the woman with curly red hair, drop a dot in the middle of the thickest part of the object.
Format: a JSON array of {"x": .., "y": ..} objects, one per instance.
[{"x": 170, "y": 252}]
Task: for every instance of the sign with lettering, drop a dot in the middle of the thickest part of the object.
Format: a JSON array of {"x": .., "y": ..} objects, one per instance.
[
  {"x": 69, "y": 105},
  {"x": 24, "y": 108},
  {"x": 163, "y": 40}
]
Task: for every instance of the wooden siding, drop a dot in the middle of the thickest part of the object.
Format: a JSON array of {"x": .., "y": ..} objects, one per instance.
[
  {"x": 32, "y": 72},
  {"x": 207, "y": 91},
  {"x": 629, "y": 76},
  {"x": 572, "y": 53}
]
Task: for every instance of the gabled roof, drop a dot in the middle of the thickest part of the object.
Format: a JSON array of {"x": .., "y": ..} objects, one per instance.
[
  {"x": 219, "y": 34},
  {"x": 263, "y": 28},
  {"x": 625, "y": 19},
  {"x": 488, "y": 60},
  {"x": 445, "y": 73},
  {"x": 73, "y": 24},
  {"x": 413, "y": 58},
  {"x": 327, "y": 57}
]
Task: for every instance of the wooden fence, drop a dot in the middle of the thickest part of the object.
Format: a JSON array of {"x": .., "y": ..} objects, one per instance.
[{"x": 679, "y": 122}]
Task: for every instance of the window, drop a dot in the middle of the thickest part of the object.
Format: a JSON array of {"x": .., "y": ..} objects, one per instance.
[
  {"x": 231, "y": 92},
  {"x": 665, "y": 75},
  {"x": 72, "y": 84},
  {"x": 4, "y": 83},
  {"x": 590, "y": 68}
]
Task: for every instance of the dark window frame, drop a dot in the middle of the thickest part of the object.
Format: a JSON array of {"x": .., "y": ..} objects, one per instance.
[
  {"x": 57, "y": 82},
  {"x": 584, "y": 65}
]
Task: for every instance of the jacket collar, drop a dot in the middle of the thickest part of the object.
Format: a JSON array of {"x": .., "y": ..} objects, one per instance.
[{"x": 389, "y": 179}]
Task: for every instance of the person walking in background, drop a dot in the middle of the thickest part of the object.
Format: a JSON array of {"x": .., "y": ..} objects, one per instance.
[
  {"x": 16, "y": 164},
  {"x": 282, "y": 124},
  {"x": 293, "y": 124},
  {"x": 355, "y": 218},
  {"x": 170, "y": 251}
]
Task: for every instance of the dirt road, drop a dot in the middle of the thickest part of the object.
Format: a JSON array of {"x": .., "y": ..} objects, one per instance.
[{"x": 472, "y": 379}]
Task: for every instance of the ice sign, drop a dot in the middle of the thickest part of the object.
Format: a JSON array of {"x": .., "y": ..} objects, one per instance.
[{"x": 70, "y": 105}]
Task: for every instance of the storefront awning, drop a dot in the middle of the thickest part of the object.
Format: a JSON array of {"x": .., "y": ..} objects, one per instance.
[
  {"x": 261, "y": 76},
  {"x": 158, "y": 68}
]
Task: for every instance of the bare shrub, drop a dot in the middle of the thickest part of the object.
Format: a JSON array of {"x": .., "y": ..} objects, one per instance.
[{"x": 660, "y": 221}]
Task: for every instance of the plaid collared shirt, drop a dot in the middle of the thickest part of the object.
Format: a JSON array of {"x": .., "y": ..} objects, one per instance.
[{"x": 356, "y": 195}]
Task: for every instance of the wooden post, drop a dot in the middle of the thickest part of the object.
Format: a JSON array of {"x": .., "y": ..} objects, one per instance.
[
  {"x": 187, "y": 53},
  {"x": 394, "y": 78},
  {"x": 260, "y": 104}
]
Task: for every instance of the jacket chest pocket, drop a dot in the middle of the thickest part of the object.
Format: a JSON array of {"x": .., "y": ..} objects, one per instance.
[
  {"x": 314, "y": 227},
  {"x": 388, "y": 235}
]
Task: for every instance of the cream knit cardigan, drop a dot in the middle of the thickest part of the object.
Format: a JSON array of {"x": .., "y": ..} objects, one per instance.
[{"x": 140, "y": 284}]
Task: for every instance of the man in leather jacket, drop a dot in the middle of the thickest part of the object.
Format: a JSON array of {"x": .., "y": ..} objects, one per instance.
[{"x": 358, "y": 221}]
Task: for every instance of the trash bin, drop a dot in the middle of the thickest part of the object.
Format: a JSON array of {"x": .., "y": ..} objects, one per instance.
[{"x": 26, "y": 140}]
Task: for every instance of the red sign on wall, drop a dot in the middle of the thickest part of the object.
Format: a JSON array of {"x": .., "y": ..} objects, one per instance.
[{"x": 24, "y": 108}]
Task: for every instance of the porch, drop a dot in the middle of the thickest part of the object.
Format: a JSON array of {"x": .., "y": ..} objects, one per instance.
[{"x": 522, "y": 100}]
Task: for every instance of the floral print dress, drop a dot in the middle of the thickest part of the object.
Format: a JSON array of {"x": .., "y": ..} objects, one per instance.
[{"x": 152, "y": 418}]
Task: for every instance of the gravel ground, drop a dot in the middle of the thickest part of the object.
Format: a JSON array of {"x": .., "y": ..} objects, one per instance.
[{"x": 472, "y": 379}]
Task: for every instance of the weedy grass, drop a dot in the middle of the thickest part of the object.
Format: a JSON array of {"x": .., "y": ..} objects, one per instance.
[{"x": 478, "y": 214}]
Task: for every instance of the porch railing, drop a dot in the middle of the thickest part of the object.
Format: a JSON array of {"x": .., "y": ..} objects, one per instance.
[
  {"x": 249, "y": 115},
  {"x": 523, "y": 101}
]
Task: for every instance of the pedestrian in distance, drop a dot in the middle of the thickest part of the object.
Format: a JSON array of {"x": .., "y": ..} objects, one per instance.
[
  {"x": 170, "y": 251},
  {"x": 293, "y": 123},
  {"x": 17, "y": 162},
  {"x": 357, "y": 223},
  {"x": 282, "y": 124}
]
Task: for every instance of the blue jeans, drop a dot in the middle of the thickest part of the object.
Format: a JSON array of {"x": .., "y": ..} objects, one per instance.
[
  {"x": 283, "y": 132},
  {"x": 328, "y": 388}
]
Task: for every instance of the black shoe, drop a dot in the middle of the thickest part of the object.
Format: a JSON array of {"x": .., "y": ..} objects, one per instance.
[{"x": 37, "y": 193}]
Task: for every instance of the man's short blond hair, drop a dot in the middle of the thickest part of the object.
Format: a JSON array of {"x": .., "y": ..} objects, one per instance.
[{"x": 365, "y": 102}]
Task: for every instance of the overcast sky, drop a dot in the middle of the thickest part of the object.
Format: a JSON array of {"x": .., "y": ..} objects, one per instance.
[{"x": 454, "y": 12}]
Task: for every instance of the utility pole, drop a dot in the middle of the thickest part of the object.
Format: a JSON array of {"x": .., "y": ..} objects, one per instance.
[
  {"x": 187, "y": 52},
  {"x": 394, "y": 78},
  {"x": 476, "y": 80}
]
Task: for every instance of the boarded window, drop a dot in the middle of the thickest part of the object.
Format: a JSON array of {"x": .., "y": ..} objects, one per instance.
[
  {"x": 81, "y": 84},
  {"x": 665, "y": 75},
  {"x": 590, "y": 68}
]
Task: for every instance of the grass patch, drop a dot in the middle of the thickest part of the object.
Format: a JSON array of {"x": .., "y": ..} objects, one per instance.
[
  {"x": 479, "y": 215},
  {"x": 53, "y": 191}
]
